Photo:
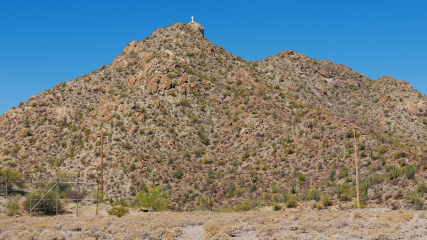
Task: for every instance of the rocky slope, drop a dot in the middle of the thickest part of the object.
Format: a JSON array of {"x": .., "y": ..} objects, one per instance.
[{"x": 181, "y": 112}]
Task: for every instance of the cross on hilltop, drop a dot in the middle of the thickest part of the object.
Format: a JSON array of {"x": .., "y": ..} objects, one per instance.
[{"x": 192, "y": 19}]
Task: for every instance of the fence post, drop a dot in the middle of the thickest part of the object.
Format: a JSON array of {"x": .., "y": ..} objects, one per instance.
[
  {"x": 31, "y": 189},
  {"x": 78, "y": 193},
  {"x": 7, "y": 180},
  {"x": 57, "y": 191}
]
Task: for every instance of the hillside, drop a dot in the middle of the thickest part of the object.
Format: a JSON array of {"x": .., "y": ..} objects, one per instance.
[{"x": 180, "y": 112}]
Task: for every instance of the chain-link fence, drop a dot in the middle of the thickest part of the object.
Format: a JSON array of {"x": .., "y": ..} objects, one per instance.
[{"x": 52, "y": 196}]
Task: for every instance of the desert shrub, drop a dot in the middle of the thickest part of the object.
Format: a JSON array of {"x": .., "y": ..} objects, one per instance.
[
  {"x": 246, "y": 154},
  {"x": 183, "y": 102},
  {"x": 313, "y": 194},
  {"x": 179, "y": 173},
  {"x": 409, "y": 171},
  {"x": 199, "y": 152},
  {"x": 326, "y": 201},
  {"x": 128, "y": 145},
  {"x": 339, "y": 188},
  {"x": 254, "y": 176},
  {"x": 292, "y": 203},
  {"x": 425, "y": 121},
  {"x": 343, "y": 173},
  {"x": 274, "y": 188},
  {"x": 74, "y": 128},
  {"x": 399, "y": 154},
  {"x": 277, "y": 207},
  {"x": 154, "y": 198},
  {"x": 132, "y": 167},
  {"x": 350, "y": 134},
  {"x": 118, "y": 211},
  {"x": 382, "y": 150},
  {"x": 290, "y": 151},
  {"x": 422, "y": 186},
  {"x": 392, "y": 172},
  {"x": 239, "y": 192},
  {"x": 231, "y": 190},
  {"x": 246, "y": 206},
  {"x": 12, "y": 207},
  {"x": 417, "y": 199},
  {"x": 203, "y": 137},
  {"x": 241, "y": 182},
  {"x": 13, "y": 176},
  {"x": 206, "y": 201},
  {"x": 208, "y": 161}
]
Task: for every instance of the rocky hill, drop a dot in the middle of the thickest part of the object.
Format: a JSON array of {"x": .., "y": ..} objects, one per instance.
[{"x": 180, "y": 112}]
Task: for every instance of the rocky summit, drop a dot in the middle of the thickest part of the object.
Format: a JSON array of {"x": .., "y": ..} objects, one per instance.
[{"x": 178, "y": 111}]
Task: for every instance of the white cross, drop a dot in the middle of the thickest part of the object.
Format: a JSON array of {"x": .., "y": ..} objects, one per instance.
[{"x": 192, "y": 19}]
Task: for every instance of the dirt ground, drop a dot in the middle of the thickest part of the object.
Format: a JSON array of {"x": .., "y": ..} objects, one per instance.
[{"x": 288, "y": 224}]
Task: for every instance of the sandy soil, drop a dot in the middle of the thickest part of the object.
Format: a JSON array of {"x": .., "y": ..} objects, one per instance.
[{"x": 289, "y": 224}]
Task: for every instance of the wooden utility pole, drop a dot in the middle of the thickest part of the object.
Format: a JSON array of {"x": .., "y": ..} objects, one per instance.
[
  {"x": 102, "y": 164},
  {"x": 357, "y": 169}
]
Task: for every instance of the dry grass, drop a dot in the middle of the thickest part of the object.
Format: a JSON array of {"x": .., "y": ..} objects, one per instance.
[{"x": 313, "y": 224}]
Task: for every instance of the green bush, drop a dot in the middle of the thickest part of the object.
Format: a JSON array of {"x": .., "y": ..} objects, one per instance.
[
  {"x": 417, "y": 199},
  {"x": 132, "y": 167},
  {"x": 292, "y": 203},
  {"x": 246, "y": 206},
  {"x": 179, "y": 173},
  {"x": 313, "y": 194},
  {"x": 326, "y": 201},
  {"x": 277, "y": 207},
  {"x": 382, "y": 150},
  {"x": 184, "y": 103},
  {"x": 410, "y": 171},
  {"x": 13, "y": 176},
  {"x": 199, "y": 152},
  {"x": 118, "y": 211},
  {"x": 12, "y": 207},
  {"x": 154, "y": 198},
  {"x": 393, "y": 172},
  {"x": 343, "y": 173},
  {"x": 208, "y": 161},
  {"x": 128, "y": 145},
  {"x": 206, "y": 202},
  {"x": 399, "y": 154}
]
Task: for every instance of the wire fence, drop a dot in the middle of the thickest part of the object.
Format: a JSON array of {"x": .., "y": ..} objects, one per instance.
[{"x": 49, "y": 197}]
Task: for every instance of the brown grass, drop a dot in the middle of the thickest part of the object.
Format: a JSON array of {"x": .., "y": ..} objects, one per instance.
[{"x": 324, "y": 224}]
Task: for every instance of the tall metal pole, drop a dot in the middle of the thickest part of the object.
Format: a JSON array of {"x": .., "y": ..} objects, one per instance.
[
  {"x": 357, "y": 169},
  {"x": 102, "y": 163}
]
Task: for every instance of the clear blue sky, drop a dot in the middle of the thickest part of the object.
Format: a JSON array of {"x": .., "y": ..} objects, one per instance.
[{"x": 44, "y": 43}]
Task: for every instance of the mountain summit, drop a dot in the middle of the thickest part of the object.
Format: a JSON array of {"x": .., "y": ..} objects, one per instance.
[{"x": 181, "y": 112}]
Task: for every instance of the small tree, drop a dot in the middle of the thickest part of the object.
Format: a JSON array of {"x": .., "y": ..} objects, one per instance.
[{"x": 154, "y": 198}]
